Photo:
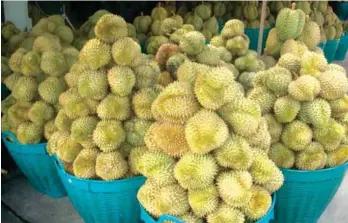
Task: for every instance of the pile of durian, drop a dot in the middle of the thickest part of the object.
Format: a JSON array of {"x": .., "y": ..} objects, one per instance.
[
  {"x": 86, "y": 31},
  {"x": 36, "y": 82},
  {"x": 102, "y": 114},
  {"x": 293, "y": 32},
  {"x": 205, "y": 157},
  {"x": 305, "y": 104}
]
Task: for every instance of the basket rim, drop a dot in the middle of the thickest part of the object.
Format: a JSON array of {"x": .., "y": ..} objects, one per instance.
[
  {"x": 16, "y": 142},
  {"x": 314, "y": 171}
]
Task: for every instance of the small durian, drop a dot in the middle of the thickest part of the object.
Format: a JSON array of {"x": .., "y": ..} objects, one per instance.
[
  {"x": 135, "y": 131},
  {"x": 110, "y": 28},
  {"x": 274, "y": 127},
  {"x": 114, "y": 107},
  {"x": 40, "y": 113},
  {"x": 263, "y": 97},
  {"x": 142, "y": 101},
  {"x": 286, "y": 109},
  {"x": 226, "y": 213},
  {"x": 84, "y": 165},
  {"x": 134, "y": 158},
  {"x": 121, "y": 80},
  {"x": 278, "y": 80},
  {"x": 125, "y": 50},
  {"x": 62, "y": 121},
  {"x": 281, "y": 155},
  {"x": 333, "y": 85},
  {"x": 304, "y": 88},
  {"x": 93, "y": 84},
  {"x": 53, "y": 63},
  {"x": 111, "y": 166},
  {"x": 30, "y": 64},
  {"x": 51, "y": 88},
  {"x": 203, "y": 201},
  {"x": 259, "y": 204},
  {"x": 82, "y": 128},
  {"x": 95, "y": 53},
  {"x": 68, "y": 149},
  {"x": 192, "y": 43},
  {"x": 316, "y": 112},
  {"x": 49, "y": 129},
  {"x": 297, "y": 135},
  {"x": 338, "y": 156},
  {"x": 263, "y": 168},
  {"x": 56, "y": 141},
  {"x": 275, "y": 183},
  {"x": 25, "y": 89},
  {"x": 157, "y": 167},
  {"x": 29, "y": 133},
  {"x": 312, "y": 157},
  {"x": 108, "y": 135},
  {"x": 195, "y": 171},
  {"x": 235, "y": 153},
  {"x": 203, "y": 137},
  {"x": 241, "y": 182},
  {"x": 329, "y": 135}
]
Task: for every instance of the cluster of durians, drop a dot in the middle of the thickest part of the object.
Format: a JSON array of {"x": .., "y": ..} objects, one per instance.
[
  {"x": 37, "y": 81},
  {"x": 304, "y": 101},
  {"x": 205, "y": 156},
  {"x": 101, "y": 116}
]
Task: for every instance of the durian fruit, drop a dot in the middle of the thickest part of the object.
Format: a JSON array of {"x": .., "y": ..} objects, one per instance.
[
  {"x": 93, "y": 84},
  {"x": 147, "y": 195},
  {"x": 275, "y": 183},
  {"x": 217, "y": 41},
  {"x": 142, "y": 101},
  {"x": 203, "y": 137},
  {"x": 168, "y": 138},
  {"x": 166, "y": 51},
  {"x": 286, "y": 109},
  {"x": 290, "y": 23},
  {"x": 262, "y": 138},
  {"x": 277, "y": 80},
  {"x": 338, "y": 156},
  {"x": 121, "y": 80},
  {"x": 157, "y": 167},
  {"x": 225, "y": 213},
  {"x": 297, "y": 135},
  {"x": 142, "y": 23},
  {"x": 110, "y": 28},
  {"x": 15, "y": 60},
  {"x": 47, "y": 42},
  {"x": 84, "y": 165},
  {"x": 82, "y": 129},
  {"x": 111, "y": 165},
  {"x": 304, "y": 88},
  {"x": 62, "y": 121},
  {"x": 30, "y": 64},
  {"x": 333, "y": 85},
  {"x": 294, "y": 47},
  {"x": 273, "y": 43},
  {"x": 263, "y": 168},
  {"x": 114, "y": 107},
  {"x": 124, "y": 51},
  {"x": 135, "y": 131},
  {"x": 290, "y": 62},
  {"x": 232, "y": 28},
  {"x": 134, "y": 158},
  {"x": 235, "y": 153},
  {"x": 192, "y": 43},
  {"x": 274, "y": 127},
  {"x": 49, "y": 129},
  {"x": 238, "y": 45},
  {"x": 241, "y": 181},
  {"x": 316, "y": 112},
  {"x": 281, "y": 155},
  {"x": 172, "y": 199},
  {"x": 159, "y": 13},
  {"x": 95, "y": 53},
  {"x": 195, "y": 171},
  {"x": 68, "y": 149},
  {"x": 311, "y": 158},
  {"x": 29, "y": 133},
  {"x": 175, "y": 103},
  {"x": 310, "y": 35},
  {"x": 259, "y": 204},
  {"x": 329, "y": 135},
  {"x": 312, "y": 64},
  {"x": 40, "y": 113},
  {"x": 108, "y": 135},
  {"x": 25, "y": 89},
  {"x": 11, "y": 80},
  {"x": 53, "y": 63},
  {"x": 203, "y": 201}
]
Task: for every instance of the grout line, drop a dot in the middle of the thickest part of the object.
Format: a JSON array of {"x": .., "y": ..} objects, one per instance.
[{"x": 14, "y": 212}]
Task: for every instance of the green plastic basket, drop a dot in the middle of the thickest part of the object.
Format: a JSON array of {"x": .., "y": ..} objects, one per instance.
[
  {"x": 306, "y": 194},
  {"x": 330, "y": 49}
]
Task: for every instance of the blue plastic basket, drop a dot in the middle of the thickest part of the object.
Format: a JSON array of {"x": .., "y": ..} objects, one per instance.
[
  {"x": 321, "y": 45},
  {"x": 103, "y": 201},
  {"x": 341, "y": 10},
  {"x": 36, "y": 165},
  {"x": 253, "y": 35},
  {"x": 306, "y": 194},
  {"x": 4, "y": 91},
  {"x": 330, "y": 49},
  {"x": 147, "y": 218},
  {"x": 342, "y": 48}
]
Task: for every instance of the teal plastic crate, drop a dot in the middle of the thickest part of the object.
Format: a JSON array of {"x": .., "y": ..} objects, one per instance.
[
  {"x": 342, "y": 48},
  {"x": 321, "y": 45},
  {"x": 147, "y": 218},
  {"x": 100, "y": 201},
  {"x": 330, "y": 49},
  {"x": 36, "y": 165},
  {"x": 306, "y": 194},
  {"x": 253, "y": 35},
  {"x": 4, "y": 91}
]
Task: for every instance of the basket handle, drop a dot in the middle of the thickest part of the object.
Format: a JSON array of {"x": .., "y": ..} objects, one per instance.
[
  {"x": 169, "y": 218},
  {"x": 9, "y": 137}
]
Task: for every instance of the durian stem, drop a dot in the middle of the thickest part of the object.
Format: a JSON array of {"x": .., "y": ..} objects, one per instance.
[
  {"x": 141, "y": 13},
  {"x": 293, "y": 5}
]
